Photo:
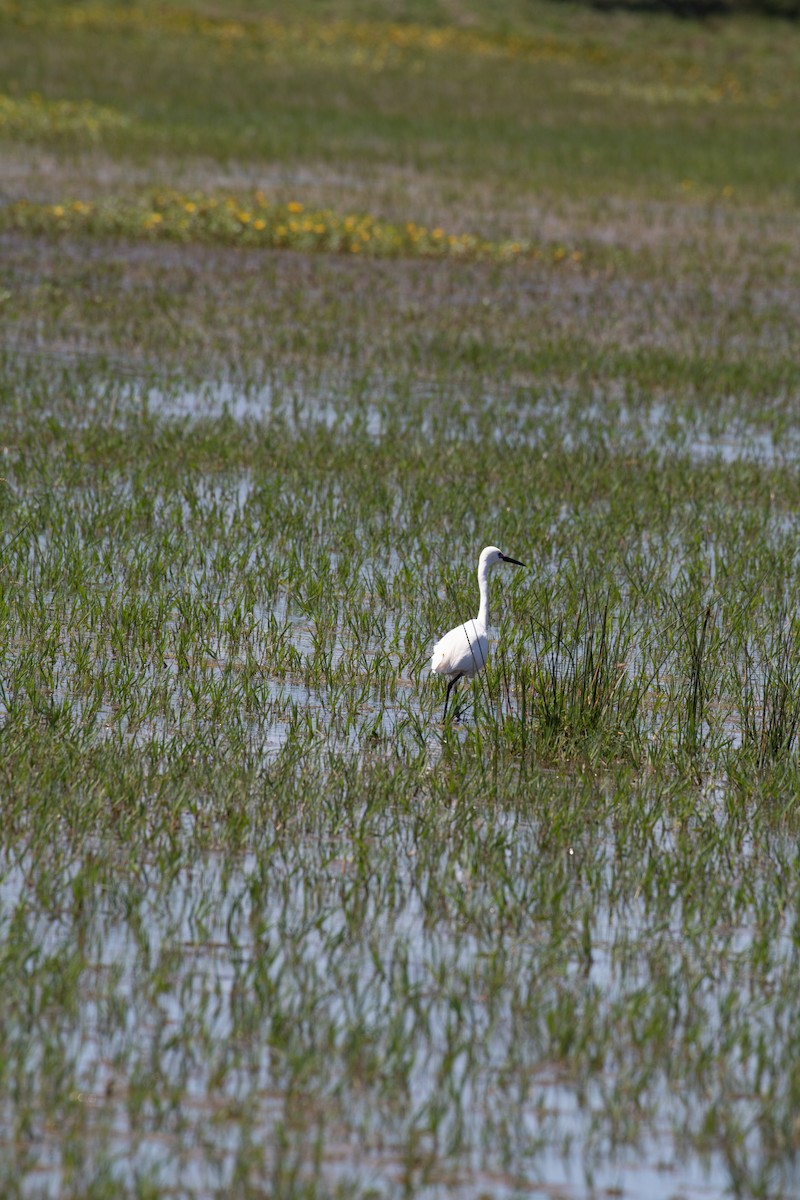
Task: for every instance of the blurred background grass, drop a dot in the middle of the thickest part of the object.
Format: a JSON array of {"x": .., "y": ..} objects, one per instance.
[{"x": 553, "y": 97}]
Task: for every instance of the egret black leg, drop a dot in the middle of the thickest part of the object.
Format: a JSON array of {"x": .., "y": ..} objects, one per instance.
[{"x": 450, "y": 687}]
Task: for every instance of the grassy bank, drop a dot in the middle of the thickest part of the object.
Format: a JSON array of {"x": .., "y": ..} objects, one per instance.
[{"x": 268, "y": 926}]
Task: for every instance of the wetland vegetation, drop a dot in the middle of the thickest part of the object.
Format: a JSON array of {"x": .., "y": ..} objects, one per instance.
[{"x": 296, "y": 315}]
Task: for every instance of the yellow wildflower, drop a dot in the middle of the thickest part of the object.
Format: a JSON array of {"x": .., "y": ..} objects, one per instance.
[{"x": 294, "y": 207}]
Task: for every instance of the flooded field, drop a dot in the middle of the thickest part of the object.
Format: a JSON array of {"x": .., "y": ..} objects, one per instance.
[
  {"x": 269, "y": 926},
  {"x": 315, "y": 1011},
  {"x": 267, "y": 920}
]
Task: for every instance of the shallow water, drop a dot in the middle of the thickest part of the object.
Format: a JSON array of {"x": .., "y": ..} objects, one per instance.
[
  {"x": 522, "y": 1126},
  {"x": 378, "y": 984},
  {"x": 651, "y": 426}
]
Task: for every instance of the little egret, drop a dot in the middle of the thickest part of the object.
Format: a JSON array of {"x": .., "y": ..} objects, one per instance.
[{"x": 462, "y": 652}]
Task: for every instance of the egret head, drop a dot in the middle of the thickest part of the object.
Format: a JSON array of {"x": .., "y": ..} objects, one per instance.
[{"x": 491, "y": 556}]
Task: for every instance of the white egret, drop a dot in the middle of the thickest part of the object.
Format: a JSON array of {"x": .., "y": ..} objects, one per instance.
[{"x": 462, "y": 652}]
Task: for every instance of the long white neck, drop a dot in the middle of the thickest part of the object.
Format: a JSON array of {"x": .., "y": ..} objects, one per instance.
[{"x": 482, "y": 619}]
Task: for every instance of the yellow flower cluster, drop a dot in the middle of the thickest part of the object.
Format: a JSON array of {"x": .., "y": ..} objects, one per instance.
[
  {"x": 33, "y": 116},
  {"x": 255, "y": 221}
]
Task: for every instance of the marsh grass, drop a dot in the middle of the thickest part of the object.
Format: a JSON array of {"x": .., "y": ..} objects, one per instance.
[
  {"x": 266, "y": 926},
  {"x": 767, "y": 682},
  {"x": 577, "y": 686},
  {"x": 254, "y": 856}
]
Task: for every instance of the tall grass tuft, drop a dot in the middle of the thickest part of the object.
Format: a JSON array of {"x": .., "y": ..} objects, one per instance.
[
  {"x": 698, "y": 636},
  {"x": 768, "y": 678},
  {"x": 583, "y": 693}
]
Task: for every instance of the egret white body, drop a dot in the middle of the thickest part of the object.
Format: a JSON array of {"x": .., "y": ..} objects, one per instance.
[{"x": 462, "y": 652}]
